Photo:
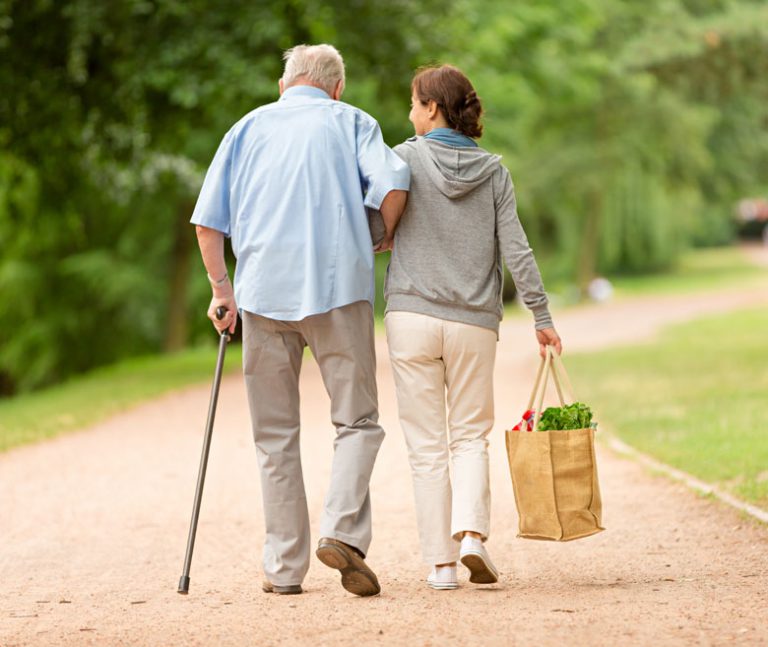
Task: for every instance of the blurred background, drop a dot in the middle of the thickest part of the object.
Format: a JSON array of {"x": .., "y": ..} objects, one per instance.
[{"x": 634, "y": 131}]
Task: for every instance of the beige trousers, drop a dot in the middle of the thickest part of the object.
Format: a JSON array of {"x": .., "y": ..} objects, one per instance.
[
  {"x": 431, "y": 359},
  {"x": 343, "y": 344}
]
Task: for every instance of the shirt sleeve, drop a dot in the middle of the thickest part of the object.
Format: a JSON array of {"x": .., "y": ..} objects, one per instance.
[
  {"x": 381, "y": 170},
  {"x": 518, "y": 254},
  {"x": 212, "y": 208}
]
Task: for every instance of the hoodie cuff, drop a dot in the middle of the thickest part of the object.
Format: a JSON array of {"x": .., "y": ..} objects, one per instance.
[{"x": 542, "y": 318}]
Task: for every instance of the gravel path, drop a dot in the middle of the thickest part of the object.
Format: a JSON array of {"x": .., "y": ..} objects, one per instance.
[{"x": 93, "y": 527}]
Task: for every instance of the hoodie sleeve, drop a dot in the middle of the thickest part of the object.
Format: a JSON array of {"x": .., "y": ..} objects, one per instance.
[{"x": 516, "y": 251}]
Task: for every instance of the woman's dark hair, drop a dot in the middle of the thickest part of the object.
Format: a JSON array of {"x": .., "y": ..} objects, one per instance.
[{"x": 453, "y": 93}]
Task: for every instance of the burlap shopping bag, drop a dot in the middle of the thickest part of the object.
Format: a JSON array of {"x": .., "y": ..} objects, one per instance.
[{"x": 554, "y": 473}]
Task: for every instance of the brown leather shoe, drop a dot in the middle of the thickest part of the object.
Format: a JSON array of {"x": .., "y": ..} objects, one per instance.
[
  {"x": 291, "y": 589},
  {"x": 356, "y": 577}
]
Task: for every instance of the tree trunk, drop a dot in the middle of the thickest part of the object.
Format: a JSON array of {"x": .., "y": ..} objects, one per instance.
[
  {"x": 590, "y": 242},
  {"x": 176, "y": 320}
]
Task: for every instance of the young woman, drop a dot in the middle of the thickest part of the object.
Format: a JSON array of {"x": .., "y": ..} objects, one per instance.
[{"x": 443, "y": 294}]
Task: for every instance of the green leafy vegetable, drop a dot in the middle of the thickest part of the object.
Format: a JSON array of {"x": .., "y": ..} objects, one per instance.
[{"x": 571, "y": 416}]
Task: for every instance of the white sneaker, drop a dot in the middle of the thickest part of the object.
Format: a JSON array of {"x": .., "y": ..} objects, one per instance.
[
  {"x": 474, "y": 556},
  {"x": 443, "y": 578}
]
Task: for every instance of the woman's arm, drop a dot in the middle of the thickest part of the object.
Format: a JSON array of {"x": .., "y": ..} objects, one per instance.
[{"x": 518, "y": 256}]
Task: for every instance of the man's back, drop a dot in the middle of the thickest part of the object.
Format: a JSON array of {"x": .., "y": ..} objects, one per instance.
[{"x": 299, "y": 173}]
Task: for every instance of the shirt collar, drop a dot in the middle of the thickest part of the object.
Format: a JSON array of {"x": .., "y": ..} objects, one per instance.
[{"x": 304, "y": 91}]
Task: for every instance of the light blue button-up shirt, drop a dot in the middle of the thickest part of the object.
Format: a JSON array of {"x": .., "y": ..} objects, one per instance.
[{"x": 290, "y": 183}]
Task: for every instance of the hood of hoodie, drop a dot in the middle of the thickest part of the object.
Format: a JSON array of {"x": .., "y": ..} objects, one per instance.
[{"x": 456, "y": 171}]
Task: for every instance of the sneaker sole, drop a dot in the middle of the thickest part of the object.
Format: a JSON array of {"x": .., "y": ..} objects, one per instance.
[
  {"x": 479, "y": 571},
  {"x": 443, "y": 587},
  {"x": 356, "y": 579}
]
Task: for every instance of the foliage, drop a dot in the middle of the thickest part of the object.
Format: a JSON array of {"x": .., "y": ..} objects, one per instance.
[
  {"x": 622, "y": 159},
  {"x": 630, "y": 130},
  {"x": 571, "y": 416},
  {"x": 109, "y": 115}
]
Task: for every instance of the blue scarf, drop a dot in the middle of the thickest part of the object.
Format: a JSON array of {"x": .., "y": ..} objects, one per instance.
[{"x": 450, "y": 137}]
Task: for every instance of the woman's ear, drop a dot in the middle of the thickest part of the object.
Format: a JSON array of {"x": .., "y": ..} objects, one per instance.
[{"x": 432, "y": 109}]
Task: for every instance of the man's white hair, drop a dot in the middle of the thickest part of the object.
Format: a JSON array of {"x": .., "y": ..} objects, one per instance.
[{"x": 320, "y": 65}]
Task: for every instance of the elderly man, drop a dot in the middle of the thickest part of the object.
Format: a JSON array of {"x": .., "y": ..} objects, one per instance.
[{"x": 290, "y": 184}]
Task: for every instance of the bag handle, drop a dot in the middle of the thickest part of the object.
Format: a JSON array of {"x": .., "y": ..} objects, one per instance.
[
  {"x": 550, "y": 363},
  {"x": 558, "y": 366},
  {"x": 537, "y": 382},
  {"x": 545, "y": 367}
]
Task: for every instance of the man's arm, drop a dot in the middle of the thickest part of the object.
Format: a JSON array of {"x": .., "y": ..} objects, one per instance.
[
  {"x": 386, "y": 177},
  {"x": 211, "y": 243},
  {"x": 212, "y": 223}
]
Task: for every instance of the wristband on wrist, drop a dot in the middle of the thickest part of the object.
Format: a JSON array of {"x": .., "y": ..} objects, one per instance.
[{"x": 220, "y": 282}]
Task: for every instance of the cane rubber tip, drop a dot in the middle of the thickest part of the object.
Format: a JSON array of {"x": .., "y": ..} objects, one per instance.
[{"x": 184, "y": 585}]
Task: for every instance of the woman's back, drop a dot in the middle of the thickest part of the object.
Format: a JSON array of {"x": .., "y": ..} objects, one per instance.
[
  {"x": 445, "y": 261},
  {"x": 460, "y": 220}
]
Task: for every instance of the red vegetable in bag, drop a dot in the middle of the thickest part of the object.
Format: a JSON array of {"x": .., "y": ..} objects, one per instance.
[{"x": 527, "y": 421}]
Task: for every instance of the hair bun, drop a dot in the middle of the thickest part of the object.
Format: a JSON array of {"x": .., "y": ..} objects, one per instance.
[{"x": 470, "y": 98}]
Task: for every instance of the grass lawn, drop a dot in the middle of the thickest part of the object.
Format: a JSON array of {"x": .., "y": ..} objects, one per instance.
[
  {"x": 695, "y": 399},
  {"x": 89, "y": 398},
  {"x": 702, "y": 269},
  {"x": 697, "y": 270},
  {"x": 92, "y": 397}
]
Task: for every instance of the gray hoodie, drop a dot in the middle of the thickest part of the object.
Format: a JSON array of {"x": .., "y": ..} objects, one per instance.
[{"x": 461, "y": 219}]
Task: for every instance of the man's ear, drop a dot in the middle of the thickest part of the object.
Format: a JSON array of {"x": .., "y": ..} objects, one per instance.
[
  {"x": 336, "y": 96},
  {"x": 281, "y": 87}
]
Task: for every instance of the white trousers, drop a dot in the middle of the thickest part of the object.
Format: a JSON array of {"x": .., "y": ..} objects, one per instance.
[{"x": 432, "y": 358}]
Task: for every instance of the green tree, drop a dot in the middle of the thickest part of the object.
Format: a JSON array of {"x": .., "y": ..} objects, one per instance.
[
  {"x": 630, "y": 129},
  {"x": 110, "y": 114}
]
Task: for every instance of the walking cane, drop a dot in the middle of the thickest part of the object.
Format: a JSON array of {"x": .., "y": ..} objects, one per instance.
[{"x": 184, "y": 581}]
